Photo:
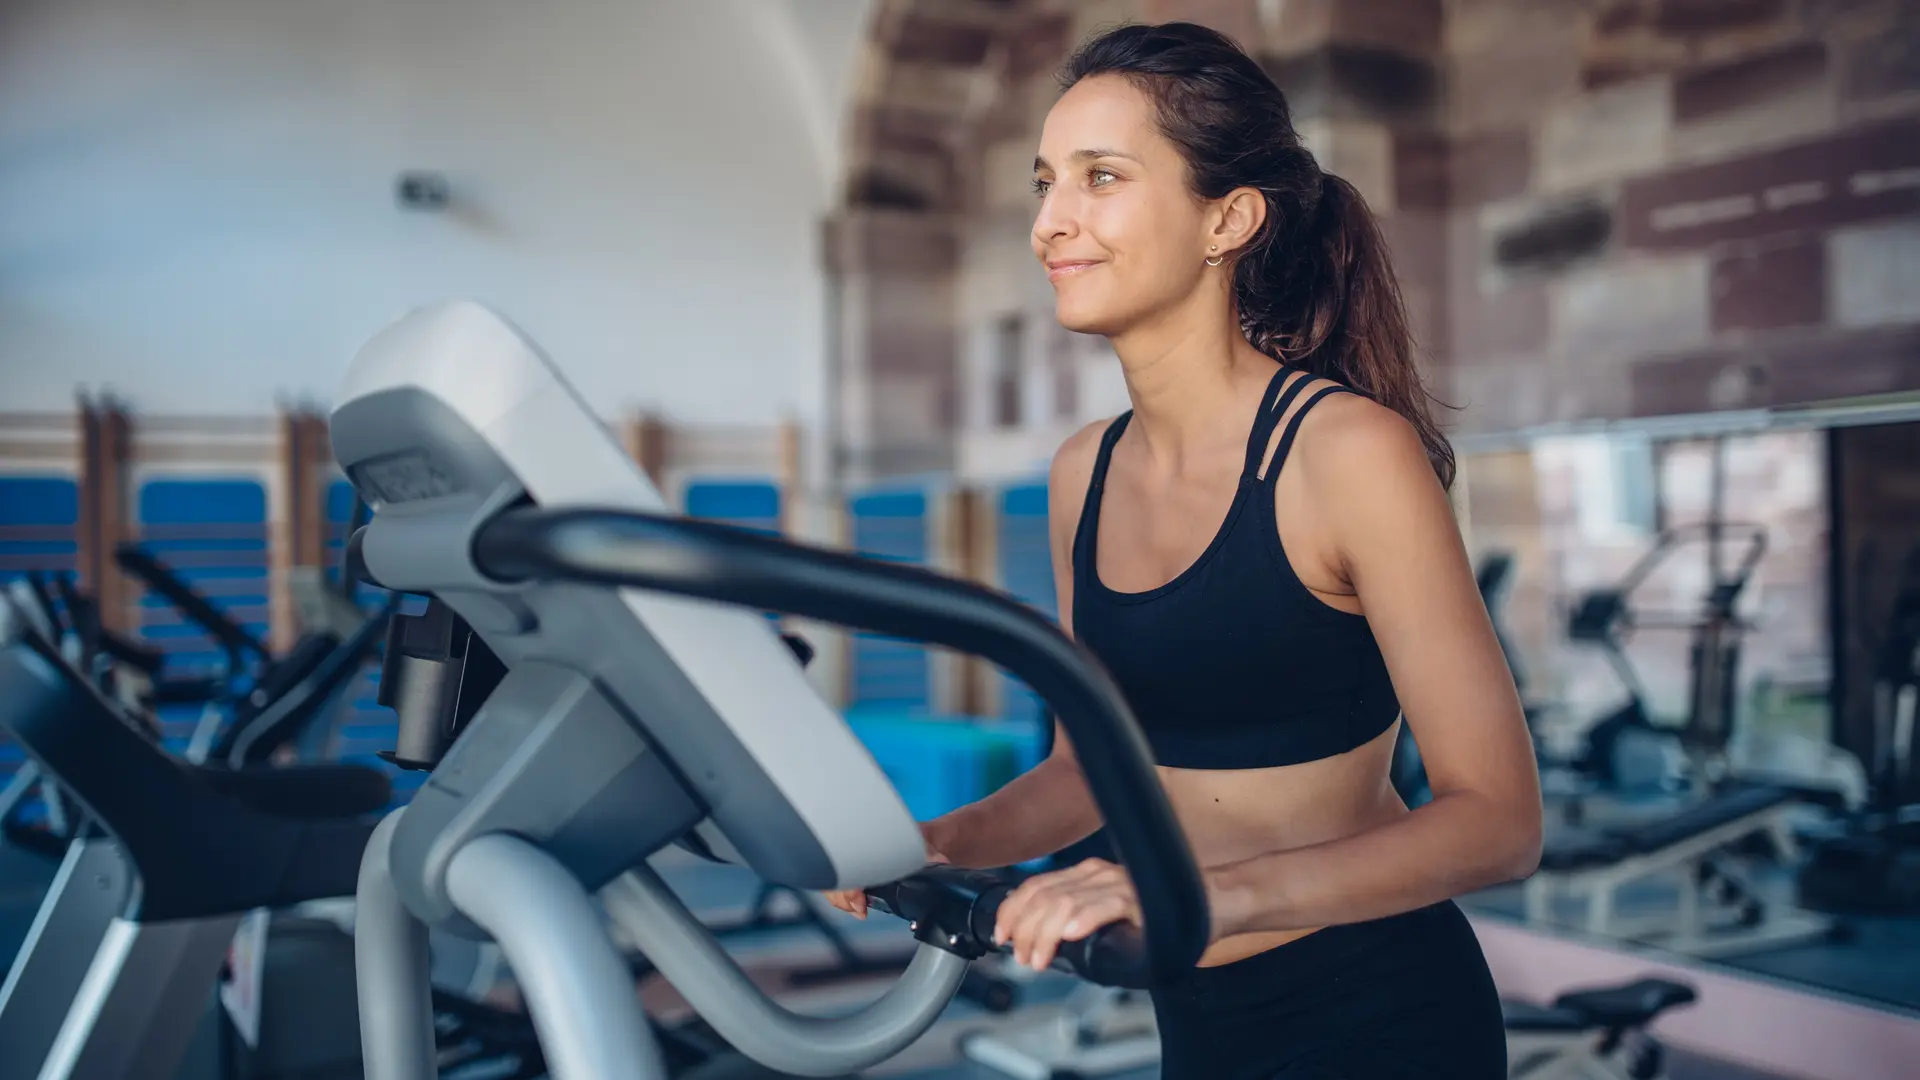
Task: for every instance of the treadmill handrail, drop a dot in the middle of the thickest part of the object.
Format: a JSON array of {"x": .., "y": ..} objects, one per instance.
[
  {"x": 257, "y": 734},
  {"x": 233, "y": 637},
  {"x": 715, "y": 562}
]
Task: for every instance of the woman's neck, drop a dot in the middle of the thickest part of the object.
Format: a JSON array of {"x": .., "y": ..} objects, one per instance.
[{"x": 1185, "y": 376}]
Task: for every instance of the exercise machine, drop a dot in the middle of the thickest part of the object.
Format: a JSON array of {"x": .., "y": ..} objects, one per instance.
[
  {"x": 1606, "y": 618},
  {"x": 292, "y": 696},
  {"x": 250, "y": 677},
  {"x": 1870, "y": 864},
  {"x": 623, "y": 721},
  {"x": 123, "y": 957},
  {"x": 1740, "y": 797}
]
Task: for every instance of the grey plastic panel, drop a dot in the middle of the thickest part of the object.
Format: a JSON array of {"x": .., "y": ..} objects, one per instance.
[
  {"x": 391, "y": 965},
  {"x": 474, "y": 416},
  {"x": 577, "y": 986},
  {"x": 550, "y": 759},
  {"x": 686, "y": 954},
  {"x": 141, "y": 1000},
  {"x": 91, "y": 888}
]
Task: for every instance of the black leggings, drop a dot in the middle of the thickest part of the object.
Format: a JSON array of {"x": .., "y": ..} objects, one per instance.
[{"x": 1408, "y": 996}]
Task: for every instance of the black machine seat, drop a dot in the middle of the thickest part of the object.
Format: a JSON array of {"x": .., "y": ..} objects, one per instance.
[
  {"x": 1609, "y": 1008},
  {"x": 1524, "y": 1016},
  {"x": 1630, "y": 1006},
  {"x": 314, "y": 792},
  {"x": 199, "y": 851}
]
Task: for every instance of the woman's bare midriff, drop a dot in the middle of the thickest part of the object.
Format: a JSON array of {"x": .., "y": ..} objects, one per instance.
[{"x": 1230, "y": 815}]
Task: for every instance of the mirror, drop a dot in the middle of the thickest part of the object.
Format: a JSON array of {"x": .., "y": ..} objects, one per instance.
[{"x": 1717, "y": 639}]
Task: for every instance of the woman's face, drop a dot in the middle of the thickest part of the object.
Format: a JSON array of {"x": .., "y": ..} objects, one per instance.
[{"x": 1121, "y": 235}]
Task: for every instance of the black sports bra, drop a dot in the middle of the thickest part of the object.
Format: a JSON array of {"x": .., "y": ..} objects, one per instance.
[{"x": 1235, "y": 663}]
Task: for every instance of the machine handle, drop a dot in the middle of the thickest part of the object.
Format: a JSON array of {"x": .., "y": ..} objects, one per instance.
[
  {"x": 233, "y": 637},
  {"x": 718, "y": 563},
  {"x": 955, "y": 909}
]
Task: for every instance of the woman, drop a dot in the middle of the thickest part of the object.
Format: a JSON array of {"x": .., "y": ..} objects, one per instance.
[{"x": 1263, "y": 554}]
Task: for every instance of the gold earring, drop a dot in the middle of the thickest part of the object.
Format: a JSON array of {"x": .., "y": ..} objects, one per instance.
[{"x": 1217, "y": 259}]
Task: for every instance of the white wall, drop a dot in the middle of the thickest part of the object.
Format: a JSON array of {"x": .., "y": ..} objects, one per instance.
[{"x": 196, "y": 201}]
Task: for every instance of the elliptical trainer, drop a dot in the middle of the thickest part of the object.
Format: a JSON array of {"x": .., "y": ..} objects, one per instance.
[{"x": 1607, "y": 618}]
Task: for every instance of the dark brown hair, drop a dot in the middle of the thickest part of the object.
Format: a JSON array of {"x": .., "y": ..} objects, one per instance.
[{"x": 1313, "y": 288}]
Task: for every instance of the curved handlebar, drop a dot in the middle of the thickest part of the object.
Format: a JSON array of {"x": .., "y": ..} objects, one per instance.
[
  {"x": 233, "y": 637},
  {"x": 955, "y": 909},
  {"x": 720, "y": 563}
]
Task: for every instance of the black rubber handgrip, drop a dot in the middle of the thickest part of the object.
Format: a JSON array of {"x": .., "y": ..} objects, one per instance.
[
  {"x": 157, "y": 576},
  {"x": 964, "y": 905}
]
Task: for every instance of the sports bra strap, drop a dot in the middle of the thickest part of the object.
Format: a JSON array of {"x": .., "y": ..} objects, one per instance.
[
  {"x": 1089, "y": 526},
  {"x": 1293, "y": 425},
  {"x": 1268, "y": 419},
  {"x": 1107, "y": 440}
]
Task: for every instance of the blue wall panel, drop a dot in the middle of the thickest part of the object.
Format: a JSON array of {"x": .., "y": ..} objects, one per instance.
[
  {"x": 889, "y": 673},
  {"x": 212, "y": 531},
  {"x": 1026, "y": 572}
]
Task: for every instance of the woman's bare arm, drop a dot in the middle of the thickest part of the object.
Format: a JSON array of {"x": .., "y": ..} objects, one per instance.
[{"x": 1368, "y": 477}]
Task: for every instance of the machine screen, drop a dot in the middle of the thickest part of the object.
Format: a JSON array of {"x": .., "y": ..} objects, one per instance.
[{"x": 405, "y": 477}]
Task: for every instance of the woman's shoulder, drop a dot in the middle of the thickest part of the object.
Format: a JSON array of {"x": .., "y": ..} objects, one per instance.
[
  {"x": 1356, "y": 453},
  {"x": 1351, "y": 432}
]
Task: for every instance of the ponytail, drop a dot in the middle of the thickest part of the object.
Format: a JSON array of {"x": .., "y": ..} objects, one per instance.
[
  {"x": 1314, "y": 288},
  {"x": 1326, "y": 300}
]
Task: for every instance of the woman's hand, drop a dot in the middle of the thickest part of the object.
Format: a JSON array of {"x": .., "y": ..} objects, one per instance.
[
  {"x": 1065, "y": 905},
  {"x": 854, "y": 901}
]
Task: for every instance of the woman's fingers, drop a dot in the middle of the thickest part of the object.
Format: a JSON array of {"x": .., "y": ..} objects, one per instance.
[{"x": 851, "y": 901}]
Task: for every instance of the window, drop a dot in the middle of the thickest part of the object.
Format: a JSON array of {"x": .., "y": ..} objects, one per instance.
[{"x": 1009, "y": 349}]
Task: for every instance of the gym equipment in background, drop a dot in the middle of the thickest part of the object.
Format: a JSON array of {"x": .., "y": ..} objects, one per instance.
[
  {"x": 167, "y": 857},
  {"x": 1870, "y": 863},
  {"x": 289, "y": 698},
  {"x": 251, "y": 675},
  {"x": 1606, "y": 618},
  {"x": 1719, "y": 910},
  {"x": 626, "y": 719},
  {"x": 1592, "y": 1034}
]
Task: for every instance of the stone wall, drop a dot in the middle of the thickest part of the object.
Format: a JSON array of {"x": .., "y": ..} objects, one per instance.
[{"x": 1671, "y": 206}]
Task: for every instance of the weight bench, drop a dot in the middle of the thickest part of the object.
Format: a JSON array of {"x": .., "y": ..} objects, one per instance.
[{"x": 1719, "y": 913}]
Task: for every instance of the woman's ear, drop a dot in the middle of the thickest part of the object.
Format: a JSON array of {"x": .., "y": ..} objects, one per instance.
[{"x": 1237, "y": 219}]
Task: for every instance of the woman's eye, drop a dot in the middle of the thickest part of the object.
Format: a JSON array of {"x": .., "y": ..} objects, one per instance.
[
  {"x": 1040, "y": 186},
  {"x": 1100, "y": 177}
]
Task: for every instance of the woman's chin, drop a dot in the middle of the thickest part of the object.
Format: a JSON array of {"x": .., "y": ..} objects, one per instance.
[{"x": 1082, "y": 318}]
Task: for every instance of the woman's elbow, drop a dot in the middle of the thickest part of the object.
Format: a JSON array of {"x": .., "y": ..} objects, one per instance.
[{"x": 1523, "y": 838}]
